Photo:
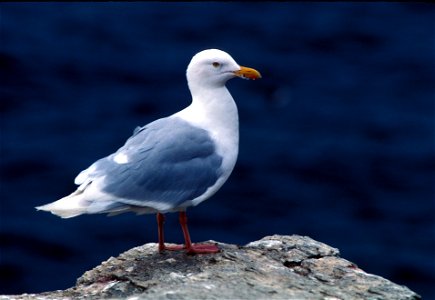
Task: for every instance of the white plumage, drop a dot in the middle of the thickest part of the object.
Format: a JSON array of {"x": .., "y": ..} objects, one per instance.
[{"x": 171, "y": 163}]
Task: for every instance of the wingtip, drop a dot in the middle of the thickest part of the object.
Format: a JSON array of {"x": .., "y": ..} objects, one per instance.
[
  {"x": 38, "y": 208},
  {"x": 59, "y": 208}
]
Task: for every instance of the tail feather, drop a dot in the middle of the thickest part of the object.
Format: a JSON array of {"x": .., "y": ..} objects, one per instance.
[
  {"x": 75, "y": 205},
  {"x": 70, "y": 206}
]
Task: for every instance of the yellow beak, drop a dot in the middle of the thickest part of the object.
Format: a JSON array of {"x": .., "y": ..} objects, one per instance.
[{"x": 247, "y": 73}]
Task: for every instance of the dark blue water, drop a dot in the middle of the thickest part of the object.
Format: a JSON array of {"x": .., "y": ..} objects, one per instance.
[{"x": 337, "y": 139}]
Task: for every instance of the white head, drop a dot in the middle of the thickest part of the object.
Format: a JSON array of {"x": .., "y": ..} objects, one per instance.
[{"x": 212, "y": 68}]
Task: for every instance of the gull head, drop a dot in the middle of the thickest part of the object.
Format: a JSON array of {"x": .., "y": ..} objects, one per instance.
[{"x": 212, "y": 68}]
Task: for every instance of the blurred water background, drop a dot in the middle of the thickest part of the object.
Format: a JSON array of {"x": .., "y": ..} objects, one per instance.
[{"x": 337, "y": 139}]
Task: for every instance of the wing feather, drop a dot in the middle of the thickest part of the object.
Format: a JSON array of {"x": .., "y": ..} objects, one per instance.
[{"x": 167, "y": 162}]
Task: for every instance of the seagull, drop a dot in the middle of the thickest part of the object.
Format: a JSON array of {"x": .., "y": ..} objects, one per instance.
[{"x": 172, "y": 163}]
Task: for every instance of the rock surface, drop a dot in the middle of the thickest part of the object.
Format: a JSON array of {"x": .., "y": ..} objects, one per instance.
[{"x": 275, "y": 267}]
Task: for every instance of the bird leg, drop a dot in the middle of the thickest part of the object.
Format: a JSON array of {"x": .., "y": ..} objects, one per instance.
[
  {"x": 190, "y": 248},
  {"x": 160, "y": 225},
  {"x": 197, "y": 248}
]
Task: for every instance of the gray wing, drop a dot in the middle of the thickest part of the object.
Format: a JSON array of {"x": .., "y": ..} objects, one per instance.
[{"x": 167, "y": 161}]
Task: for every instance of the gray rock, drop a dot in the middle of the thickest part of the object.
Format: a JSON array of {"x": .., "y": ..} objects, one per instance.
[{"x": 275, "y": 267}]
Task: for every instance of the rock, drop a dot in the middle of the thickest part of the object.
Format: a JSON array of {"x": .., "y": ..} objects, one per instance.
[{"x": 275, "y": 267}]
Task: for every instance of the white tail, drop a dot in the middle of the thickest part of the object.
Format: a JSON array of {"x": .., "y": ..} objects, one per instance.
[{"x": 70, "y": 206}]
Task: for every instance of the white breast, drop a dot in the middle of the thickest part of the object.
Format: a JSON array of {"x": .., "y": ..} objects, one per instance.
[{"x": 218, "y": 115}]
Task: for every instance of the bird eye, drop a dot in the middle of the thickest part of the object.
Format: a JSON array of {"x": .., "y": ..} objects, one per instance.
[{"x": 216, "y": 64}]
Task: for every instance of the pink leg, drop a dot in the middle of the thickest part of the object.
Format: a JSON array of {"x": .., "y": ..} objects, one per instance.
[
  {"x": 197, "y": 248},
  {"x": 190, "y": 248},
  {"x": 160, "y": 225}
]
